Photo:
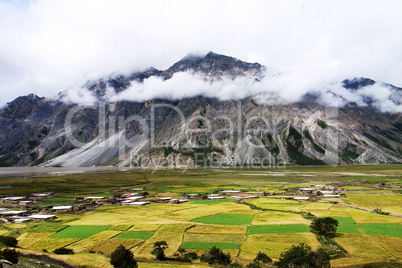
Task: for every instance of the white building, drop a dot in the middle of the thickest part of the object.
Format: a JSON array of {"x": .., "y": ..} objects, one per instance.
[
  {"x": 139, "y": 203},
  {"x": 230, "y": 191},
  {"x": 40, "y": 217},
  {"x": 62, "y": 208},
  {"x": 301, "y": 198}
]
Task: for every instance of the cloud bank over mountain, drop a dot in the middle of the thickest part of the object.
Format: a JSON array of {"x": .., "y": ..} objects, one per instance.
[{"x": 49, "y": 46}]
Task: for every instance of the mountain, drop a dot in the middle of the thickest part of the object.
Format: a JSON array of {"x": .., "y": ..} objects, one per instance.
[{"x": 199, "y": 130}]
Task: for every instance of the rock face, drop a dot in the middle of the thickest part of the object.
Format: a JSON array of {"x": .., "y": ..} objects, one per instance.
[{"x": 199, "y": 130}]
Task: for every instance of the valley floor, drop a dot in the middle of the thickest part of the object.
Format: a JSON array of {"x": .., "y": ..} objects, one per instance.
[{"x": 270, "y": 221}]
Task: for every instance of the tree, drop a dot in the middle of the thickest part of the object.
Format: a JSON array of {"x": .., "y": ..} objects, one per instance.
[
  {"x": 320, "y": 258},
  {"x": 216, "y": 256},
  {"x": 9, "y": 241},
  {"x": 182, "y": 256},
  {"x": 262, "y": 257},
  {"x": 10, "y": 254},
  {"x": 123, "y": 258},
  {"x": 63, "y": 251},
  {"x": 182, "y": 251},
  {"x": 191, "y": 255},
  {"x": 324, "y": 226},
  {"x": 302, "y": 256},
  {"x": 236, "y": 265},
  {"x": 253, "y": 265},
  {"x": 296, "y": 256},
  {"x": 159, "y": 250}
]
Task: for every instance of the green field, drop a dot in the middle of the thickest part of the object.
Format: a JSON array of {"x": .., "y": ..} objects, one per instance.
[
  {"x": 347, "y": 225},
  {"x": 208, "y": 245},
  {"x": 226, "y": 219},
  {"x": 135, "y": 235},
  {"x": 277, "y": 229},
  {"x": 80, "y": 231},
  {"x": 387, "y": 229}
]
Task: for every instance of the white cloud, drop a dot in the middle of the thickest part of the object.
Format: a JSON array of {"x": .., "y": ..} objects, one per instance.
[{"x": 47, "y": 46}]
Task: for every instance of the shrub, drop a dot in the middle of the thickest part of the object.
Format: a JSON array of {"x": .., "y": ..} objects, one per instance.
[
  {"x": 303, "y": 256},
  {"x": 192, "y": 255},
  {"x": 325, "y": 226},
  {"x": 262, "y": 257},
  {"x": 159, "y": 250},
  {"x": 9, "y": 254},
  {"x": 9, "y": 241},
  {"x": 216, "y": 256},
  {"x": 123, "y": 258},
  {"x": 63, "y": 251}
]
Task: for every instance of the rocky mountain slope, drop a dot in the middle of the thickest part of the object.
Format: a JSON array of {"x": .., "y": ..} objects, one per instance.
[{"x": 198, "y": 130}]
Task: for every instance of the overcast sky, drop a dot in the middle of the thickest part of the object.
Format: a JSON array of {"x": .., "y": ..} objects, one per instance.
[{"x": 47, "y": 46}]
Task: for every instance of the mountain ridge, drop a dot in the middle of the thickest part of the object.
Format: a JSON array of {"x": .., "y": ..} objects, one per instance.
[{"x": 33, "y": 130}]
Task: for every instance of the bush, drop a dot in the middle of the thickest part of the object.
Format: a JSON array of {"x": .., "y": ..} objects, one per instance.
[
  {"x": 324, "y": 226},
  {"x": 181, "y": 255},
  {"x": 216, "y": 256},
  {"x": 63, "y": 251},
  {"x": 262, "y": 257},
  {"x": 9, "y": 241},
  {"x": 303, "y": 256},
  {"x": 159, "y": 250},
  {"x": 123, "y": 258},
  {"x": 9, "y": 254},
  {"x": 192, "y": 255}
]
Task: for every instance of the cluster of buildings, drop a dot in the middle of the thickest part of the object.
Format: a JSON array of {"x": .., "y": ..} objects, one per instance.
[
  {"x": 21, "y": 209},
  {"x": 17, "y": 208},
  {"x": 315, "y": 191}
]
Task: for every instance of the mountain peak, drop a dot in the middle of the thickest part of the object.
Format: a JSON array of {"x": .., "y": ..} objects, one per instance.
[{"x": 215, "y": 66}]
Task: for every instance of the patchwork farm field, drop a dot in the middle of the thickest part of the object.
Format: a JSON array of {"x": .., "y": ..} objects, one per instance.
[
  {"x": 271, "y": 222},
  {"x": 81, "y": 232}
]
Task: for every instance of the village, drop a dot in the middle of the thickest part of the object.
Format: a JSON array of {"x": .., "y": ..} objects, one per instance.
[{"x": 33, "y": 207}]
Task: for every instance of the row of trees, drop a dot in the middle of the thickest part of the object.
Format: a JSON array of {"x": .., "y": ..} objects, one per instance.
[{"x": 297, "y": 256}]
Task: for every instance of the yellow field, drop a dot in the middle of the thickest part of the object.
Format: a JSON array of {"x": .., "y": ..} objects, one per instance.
[
  {"x": 217, "y": 229},
  {"x": 51, "y": 243},
  {"x": 387, "y": 202},
  {"x": 328, "y": 213},
  {"x": 171, "y": 233},
  {"x": 344, "y": 262},
  {"x": 202, "y": 211},
  {"x": 144, "y": 227},
  {"x": 85, "y": 245},
  {"x": 393, "y": 245},
  {"x": 274, "y": 244},
  {"x": 86, "y": 259},
  {"x": 108, "y": 246},
  {"x": 15, "y": 225},
  {"x": 218, "y": 238},
  {"x": 273, "y": 217},
  {"x": 362, "y": 217},
  {"x": 27, "y": 239},
  {"x": 360, "y": 246}
]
